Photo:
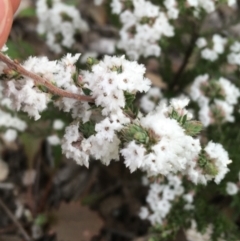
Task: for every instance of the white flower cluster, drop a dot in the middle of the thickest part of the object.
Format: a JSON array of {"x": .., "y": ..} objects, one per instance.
[
  {"x": 160, "y": 198},
  {"x": 208, "y": 6},
  {"x": 143, "y": 26},
  {"x": 216, "y": 99},
  {"x": 218, "y": 45},
  {"x": 192, "y": 234},
  {"x": 159, "y": 143},
  {"x": 54, "y": 138},
  {"x": 30, "y": 98},
  {"x": 59, "y": 22},
  {"x": 234, "y": 56},
  {"x": 218, "y": 162},
  {"x": 149, "y": 101},
  {"x": 171, "y": 151},
  {"x": 11, "y": 124},
  {"x": 108, "y": 82}
]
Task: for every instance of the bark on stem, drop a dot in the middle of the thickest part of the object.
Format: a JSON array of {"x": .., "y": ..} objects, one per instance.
[
  {"x": 41, "y": 81},
  {"x": 15, "y": 221}
]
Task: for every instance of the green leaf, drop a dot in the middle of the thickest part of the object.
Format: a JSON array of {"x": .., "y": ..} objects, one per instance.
[
  {"x": 134, "y": 132},
  {"x": 27, "y": 12},
  {"x": 41, "y": 220},
  {"x": 184, "y": 119},
  {"x": 19, "y": 49},
  {"x": 86, "y": 91},
  {"x": 87, "y": 128},
  {"x": 192, "y": 128}
]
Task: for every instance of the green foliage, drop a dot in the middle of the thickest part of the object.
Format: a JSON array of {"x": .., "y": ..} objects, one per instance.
[
  {"x": 27, "y": 12},
  {"x": 191, "y": 127},
  {"x": 207, "y": 164},
  {"x": 87, "y": 128},
  {"x": 19, "y": 49},
  {"x": 130, "y": 108},
  {"x": 91, "y": 61},
  {"x": 134, "y": 132},
  {"x": 213, "y": 90}
]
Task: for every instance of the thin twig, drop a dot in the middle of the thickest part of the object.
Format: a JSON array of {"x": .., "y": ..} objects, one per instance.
[
  {"x": 187, "y": 56},
  {"x": 41, "y": 81},
  {"x": 17, "y": 223}
]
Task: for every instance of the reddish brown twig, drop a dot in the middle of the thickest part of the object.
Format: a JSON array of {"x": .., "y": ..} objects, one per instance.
[
  {"x": 15, "y": 221},
  {"x": 41, "y": 81}
]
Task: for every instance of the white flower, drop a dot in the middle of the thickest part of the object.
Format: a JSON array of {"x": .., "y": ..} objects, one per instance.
[
  {"x": 110, "y": 78},
  {"x": 58, "y": 124},
  {"x": 209, "y": 54},
  {"x": 220, "y": 158},
  {"x": 160, "y": 198},
  {"x": 143, "y": 26},
  {"x": 232, "y": 3},
  {"x": 201, "y": 42},
  {"x": 53, "y": 140},
  {"x": 59, "y": 20},
  {"x": 133, "y": 155},
  {"x": 231, "y": 188},
  {"x": 10, "y": 135},
  {"x": 71, "y": 145}
]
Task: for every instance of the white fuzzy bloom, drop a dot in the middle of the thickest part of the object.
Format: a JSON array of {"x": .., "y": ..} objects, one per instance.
[
  {"x": 207, "y": 5},
  {"x": 232, "y": 3},
  {"x": 10, "y": 135},
  {"x": 222, "y": 105},
  {"x": 172, "y": 151},
  {"x": 201, "y": 42},
  {"x": 25, "y": 96},
  {"x": 220, "y": 158},
  {"x": 218, "y": 43},
  {"x": 224, "y": 111},
  {"x": 98, "y": 2},
  {"x": 218, "y": 46},
  {"x": 209, "y": 54},
  {"x": 231, "y": 188},
  {"x": 28, "y": 97},
  {"x": 59, "y": 22},
  {"x": 230, "y": 91},
  {"x": 196, "y": 92},
  {"x": 58, "y": 124},
  {"x": 110, "y": 78},
  {"x": 106, "y": 151},
  {"x": 53, "y": 140},
  {"x": 8, "y": 121},
  {"x": 150, "y": 100},
  {"x": 234, "y": 55},
  {"x": 160, "y": 198},
  {"x": 133, "y": 155},
  {"x": 193, "y": 234},
  {"x": 143, "y": 26},
  {"x": 172, "y": 10},
  {"x": 73, "y": 145}
]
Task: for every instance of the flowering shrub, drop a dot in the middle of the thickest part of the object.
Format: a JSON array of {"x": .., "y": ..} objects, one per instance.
[{"x": 178, "y": 136}]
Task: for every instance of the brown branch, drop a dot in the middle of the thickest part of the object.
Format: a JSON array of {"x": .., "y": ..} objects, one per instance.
[
  {"x": 15, "y": 221},
  {"x": 41, "y": 81},
  {"x": 184, "y": 64}
]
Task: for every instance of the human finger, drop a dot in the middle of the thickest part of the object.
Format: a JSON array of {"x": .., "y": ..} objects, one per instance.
[
  {"x": 6, "y": 18},
  {"x": 15, "y": 4}
]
